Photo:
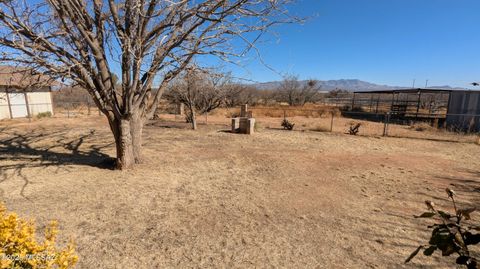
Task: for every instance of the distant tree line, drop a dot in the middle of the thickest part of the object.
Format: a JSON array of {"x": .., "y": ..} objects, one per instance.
[{"x": 203, "y": 90}]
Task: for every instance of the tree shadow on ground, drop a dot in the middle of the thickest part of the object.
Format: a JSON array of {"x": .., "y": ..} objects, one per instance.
[
  {"x": 468, "y": 184},
  {"x": 397, "y": 229},
  {"x": 19, "y": 151}
]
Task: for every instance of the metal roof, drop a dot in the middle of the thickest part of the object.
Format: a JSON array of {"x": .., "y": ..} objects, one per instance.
[
  {"x": 17, "y": 77},
  {"x": 411, "y": 90}
]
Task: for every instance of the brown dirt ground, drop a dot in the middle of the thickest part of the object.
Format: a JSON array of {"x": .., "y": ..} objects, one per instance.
[{"x": 211, "y": 199}]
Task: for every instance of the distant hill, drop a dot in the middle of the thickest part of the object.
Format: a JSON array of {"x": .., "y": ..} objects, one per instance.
[{"x": 344, "y": 84}]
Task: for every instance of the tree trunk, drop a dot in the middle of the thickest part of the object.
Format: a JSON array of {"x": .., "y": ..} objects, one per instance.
[
  {"x": 136, "y": 130},
  {"x": 191, "y": 117},
  {"x": 194, "y": 120},
  {"x": 128, "y": 140},
  {"x": 124, "y": 144}
]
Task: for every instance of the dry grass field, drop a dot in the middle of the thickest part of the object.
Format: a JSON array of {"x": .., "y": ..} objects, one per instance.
[{"x": 212, "y": 199}]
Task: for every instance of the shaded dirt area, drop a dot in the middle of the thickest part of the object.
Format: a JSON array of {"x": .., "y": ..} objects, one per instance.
[{"x": 214, "y": 199}]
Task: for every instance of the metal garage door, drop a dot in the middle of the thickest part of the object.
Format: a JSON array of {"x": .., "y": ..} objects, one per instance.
[{"x": 18, "y": 105}]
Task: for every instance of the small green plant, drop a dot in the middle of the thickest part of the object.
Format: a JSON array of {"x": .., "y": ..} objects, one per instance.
[
  {"x": 451, "y": 235},
  {"x": 47, "y": 114},
  {"x": 287, "y": 125}
]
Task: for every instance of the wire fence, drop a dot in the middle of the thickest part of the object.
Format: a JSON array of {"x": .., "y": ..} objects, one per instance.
[
  {"x": 447, "y": 127},
  {"x": 76, "y": 109},
  {"x": 324, "y": 118}
]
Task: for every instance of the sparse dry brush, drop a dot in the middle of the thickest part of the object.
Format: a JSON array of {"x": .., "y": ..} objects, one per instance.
[
  {"x": 151, "y": 41},
  {"x": 287, "y": 125},
  {"x": 354, "y": 128},
  {"x": 308, "y": 111},
  {"x": 320, "y": 128},
  {"x": 422, "y": 126}
]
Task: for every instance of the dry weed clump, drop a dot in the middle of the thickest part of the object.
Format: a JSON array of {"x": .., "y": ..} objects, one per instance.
[
  {"x": 20, "y": 249},
  {"x": 308, "y": 111},
  {"x": 422, "y": 127},
  {"x": 287, "y": 125},
  {"x": 354, "y": 128}
]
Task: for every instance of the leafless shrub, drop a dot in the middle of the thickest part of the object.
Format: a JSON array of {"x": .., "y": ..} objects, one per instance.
[
  {"x": 354, "y": 128},
  {"x": 287, "y": 125},
  {"x": 292, "y": 92}
]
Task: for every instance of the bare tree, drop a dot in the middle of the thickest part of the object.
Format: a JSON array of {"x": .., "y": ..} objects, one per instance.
[
  {"x": 292, "y": 91},
  {"x": 214, "y": 86},
  {"x": 143, "y": 41},
  {"x": 239, "y": 94},
  {"x": 310, "y": 92},
  {"x": 289, "y": 90},
  {"x": 200, "y": 90}
]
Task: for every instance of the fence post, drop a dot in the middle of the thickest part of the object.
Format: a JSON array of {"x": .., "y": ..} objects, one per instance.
[
  {"x": 331, "y": 122},
  {"x": 385, "y": 124},
  {"x": 88, "y": 106},
  {"x": 68, "y": 110}
]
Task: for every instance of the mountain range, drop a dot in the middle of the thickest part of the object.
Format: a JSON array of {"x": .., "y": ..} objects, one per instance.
[{"x": 345, "y": 84}]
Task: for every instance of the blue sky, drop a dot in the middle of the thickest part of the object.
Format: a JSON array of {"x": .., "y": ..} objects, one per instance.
[{"x": 382, "y": 41}]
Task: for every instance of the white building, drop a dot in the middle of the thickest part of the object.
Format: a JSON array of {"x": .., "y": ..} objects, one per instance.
[{"x": 23, "y": 94}]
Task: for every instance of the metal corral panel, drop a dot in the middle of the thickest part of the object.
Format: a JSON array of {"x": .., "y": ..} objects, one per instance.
[
  {"x": 4, "y": 110},
  {"x": 39, "y": 101},
  {"x": 464, "y": 111}
]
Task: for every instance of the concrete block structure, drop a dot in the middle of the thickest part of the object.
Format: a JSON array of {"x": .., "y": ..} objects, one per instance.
[{"x": 245, "y": 124}]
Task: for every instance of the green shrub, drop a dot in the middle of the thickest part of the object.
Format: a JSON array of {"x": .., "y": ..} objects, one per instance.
[{"x": 47, "y": 114}]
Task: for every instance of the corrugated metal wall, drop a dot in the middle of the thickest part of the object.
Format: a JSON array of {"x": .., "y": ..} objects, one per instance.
[{"x": 464, "y": 111}]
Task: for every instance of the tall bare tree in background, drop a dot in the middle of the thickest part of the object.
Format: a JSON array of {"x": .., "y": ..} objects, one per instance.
[
  {"x": 143, "y": 41},
  {"x": 295, "y": 94},
  {"x": 200, "y": 90},
  {"x": 240, "y": 94}
]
